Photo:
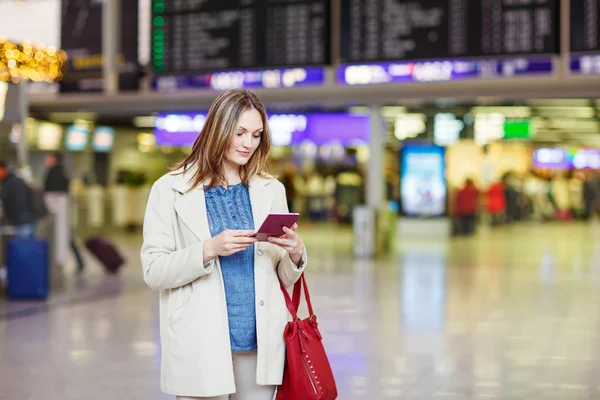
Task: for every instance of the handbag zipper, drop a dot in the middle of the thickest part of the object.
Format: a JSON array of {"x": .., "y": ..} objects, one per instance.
[{"x": 309, "y": 376}]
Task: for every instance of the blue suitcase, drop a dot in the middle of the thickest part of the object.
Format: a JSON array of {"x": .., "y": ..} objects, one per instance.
[{"x": 27, "y": 262}]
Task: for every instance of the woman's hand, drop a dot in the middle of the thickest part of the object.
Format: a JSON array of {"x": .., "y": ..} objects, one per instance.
[
  {"x": 290, "y": 242},
  {"x": 227, "y": 243}
]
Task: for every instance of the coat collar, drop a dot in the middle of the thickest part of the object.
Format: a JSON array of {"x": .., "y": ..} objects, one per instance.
[{"x": 191, "y": 204}]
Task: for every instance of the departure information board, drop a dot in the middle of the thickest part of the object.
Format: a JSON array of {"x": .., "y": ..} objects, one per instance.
[
  {"x": 207, "y": 35},
  {"x": 585, "y": 25},
  {"x": 384, "y": 30}
]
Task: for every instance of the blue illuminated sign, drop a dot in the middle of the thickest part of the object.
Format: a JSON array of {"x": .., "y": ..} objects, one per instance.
[
  {"x": 286, "y": 129},
  {"x": 585, "y": 64},
  {"x": 76, "y": 138},
  {"x": 423, "y": 181},
  {"x": 441, "y": 71},
  {"x": 103, "y": 139},
  {"x": 267, "y": 79}
]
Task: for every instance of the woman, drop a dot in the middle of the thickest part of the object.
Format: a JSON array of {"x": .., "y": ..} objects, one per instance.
[{"x": 222, "y": 313}]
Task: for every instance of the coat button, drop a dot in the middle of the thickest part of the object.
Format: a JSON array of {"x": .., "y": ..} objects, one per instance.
[
  {"x": 261, "y": 303},
  {"x": 259, "y": 252}
]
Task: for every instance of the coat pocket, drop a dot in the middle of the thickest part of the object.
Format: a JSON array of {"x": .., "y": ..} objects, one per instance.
[{"x": 178, "y": 301}]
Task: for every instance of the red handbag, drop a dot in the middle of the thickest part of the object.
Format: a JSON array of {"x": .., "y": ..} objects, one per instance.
[{"x": 307, "y": 374}]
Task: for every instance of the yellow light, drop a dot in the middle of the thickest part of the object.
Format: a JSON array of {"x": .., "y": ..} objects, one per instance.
[{"x": 28, "y": 62}]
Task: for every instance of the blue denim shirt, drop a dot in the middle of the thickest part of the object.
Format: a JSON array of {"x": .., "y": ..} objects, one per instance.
[{"x": 231, "y": 209}]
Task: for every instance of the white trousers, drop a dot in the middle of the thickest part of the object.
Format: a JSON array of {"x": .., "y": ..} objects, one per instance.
[
  {"x": 244, "y": 371},
  {"x": 58, "y": 205}
]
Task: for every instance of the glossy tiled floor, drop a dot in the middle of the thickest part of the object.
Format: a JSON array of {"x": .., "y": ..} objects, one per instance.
[{"x": 510, "y": 314}]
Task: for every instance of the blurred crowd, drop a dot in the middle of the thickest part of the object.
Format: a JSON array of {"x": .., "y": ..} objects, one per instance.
[
  {"x": 323, "y": 194},
  {"x": 23, "y": 206},
  {"x": 563, "y": 196}
]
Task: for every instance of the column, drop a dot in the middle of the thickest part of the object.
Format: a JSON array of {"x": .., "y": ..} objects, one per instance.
[
  {"x": 111, "y": 32},
  {"x": 375, "y": 180},
  {"x": 565, "y": 36},
  {"x": 23, "y": 113},
  {"x": 368, "y": 229}
]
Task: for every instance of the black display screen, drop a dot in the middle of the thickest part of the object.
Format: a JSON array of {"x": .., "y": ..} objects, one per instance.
[
  {"x": 205, "y": 35},
  {"x": 585, "y": 25},
  {"x": 81, "y": 38},
  {"x": 385, "y": 30}
]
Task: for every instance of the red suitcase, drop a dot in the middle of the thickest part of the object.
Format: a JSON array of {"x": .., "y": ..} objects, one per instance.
[{"x": 106, "y": 252}]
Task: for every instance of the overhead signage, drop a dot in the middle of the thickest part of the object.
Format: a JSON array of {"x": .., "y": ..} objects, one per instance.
[
  {"x": 584, "y": 26},
  {"x": 442, "y": 70},
  {"x": 386, "y": 30},
  {"x": 557, "y": 158},
  {"x": 267, "y": 79},
  {"x": 446, "y": 129},
  {"x": 488, "y": 127},
  {"x": 517, "y": 129},
  {"x": 49, "y": 136},
  {"x": 81, "y": 38},
  {"x": 587, "y": 64},
  {"x": 286, "y": 129},
  {"x": 190, "y": 36},
  {"x": 103, "y": 139},
  {"x": 76, "y": 138},
  {"x": 408, "y": 126}
]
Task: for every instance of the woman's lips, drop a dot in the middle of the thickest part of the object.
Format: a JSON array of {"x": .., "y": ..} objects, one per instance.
[{"x": 244, "y": 153}]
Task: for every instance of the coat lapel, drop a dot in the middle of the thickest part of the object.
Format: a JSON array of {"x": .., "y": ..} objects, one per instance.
[
  {"x": 191, "y": 206},
  {"x": 261, "y": 199}
]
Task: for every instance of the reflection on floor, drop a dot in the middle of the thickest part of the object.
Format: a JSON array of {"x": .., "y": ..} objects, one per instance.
[{"x": 513, "y": 313}]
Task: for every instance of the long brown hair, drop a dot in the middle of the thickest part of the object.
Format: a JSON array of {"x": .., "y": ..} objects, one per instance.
[{"x": 208, "y": 152}]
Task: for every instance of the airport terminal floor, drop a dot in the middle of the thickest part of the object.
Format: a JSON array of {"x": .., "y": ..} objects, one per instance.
[{"x": 512, "y": 313}]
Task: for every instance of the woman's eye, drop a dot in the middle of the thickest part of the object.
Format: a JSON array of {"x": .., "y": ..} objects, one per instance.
[{"x": 256, "y": 136}]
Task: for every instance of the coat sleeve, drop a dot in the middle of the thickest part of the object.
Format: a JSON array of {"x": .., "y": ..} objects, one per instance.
[
  {"x": 286, "y": 269},
  {"x": 163, "y": 265}
]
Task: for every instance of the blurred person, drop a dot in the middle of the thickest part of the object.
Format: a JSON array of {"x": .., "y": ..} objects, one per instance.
[
  {"x": 222, "y": 312},
  {"x": 289, "y": 183},
  {"x": 315, "y": 191},
  {"x": 467, "y": 200},
  {"x": 56, "y": 194},
  {"x": 348, "y": 194},
  {"x": 56, "y": 179},
  {"x": 576, "y": 193},
  {"x": 535, "y": 189},
  {"x": 329, "y": 189},
  {"x": 591, "y": 195},
  {"x": 596, "y": 205},
  {"x": 561, "y": 197},
  {"x": 496, "y": 203},
  {"x": 17, "y": 202},
  {"x": 512, "y": 193}
]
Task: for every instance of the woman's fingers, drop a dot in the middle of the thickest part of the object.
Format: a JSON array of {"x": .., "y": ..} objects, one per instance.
[
  {"x": 290, "y": 232},
  {"x": 241, "y": 233},
  {"x": 236, "y": 249},
  {"x": 282, "y": 242},
  {"x": 244, "y": 240}
]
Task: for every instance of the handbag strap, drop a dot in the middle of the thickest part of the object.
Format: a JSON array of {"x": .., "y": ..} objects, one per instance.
[{"x": 293, "y": 304}]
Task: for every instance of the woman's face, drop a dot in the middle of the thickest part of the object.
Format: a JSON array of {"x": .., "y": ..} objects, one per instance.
[{"x": 246, "y": 140}]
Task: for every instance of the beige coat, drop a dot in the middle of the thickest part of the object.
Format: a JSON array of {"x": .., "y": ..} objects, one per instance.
[{"x": 194, "y": 330}]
